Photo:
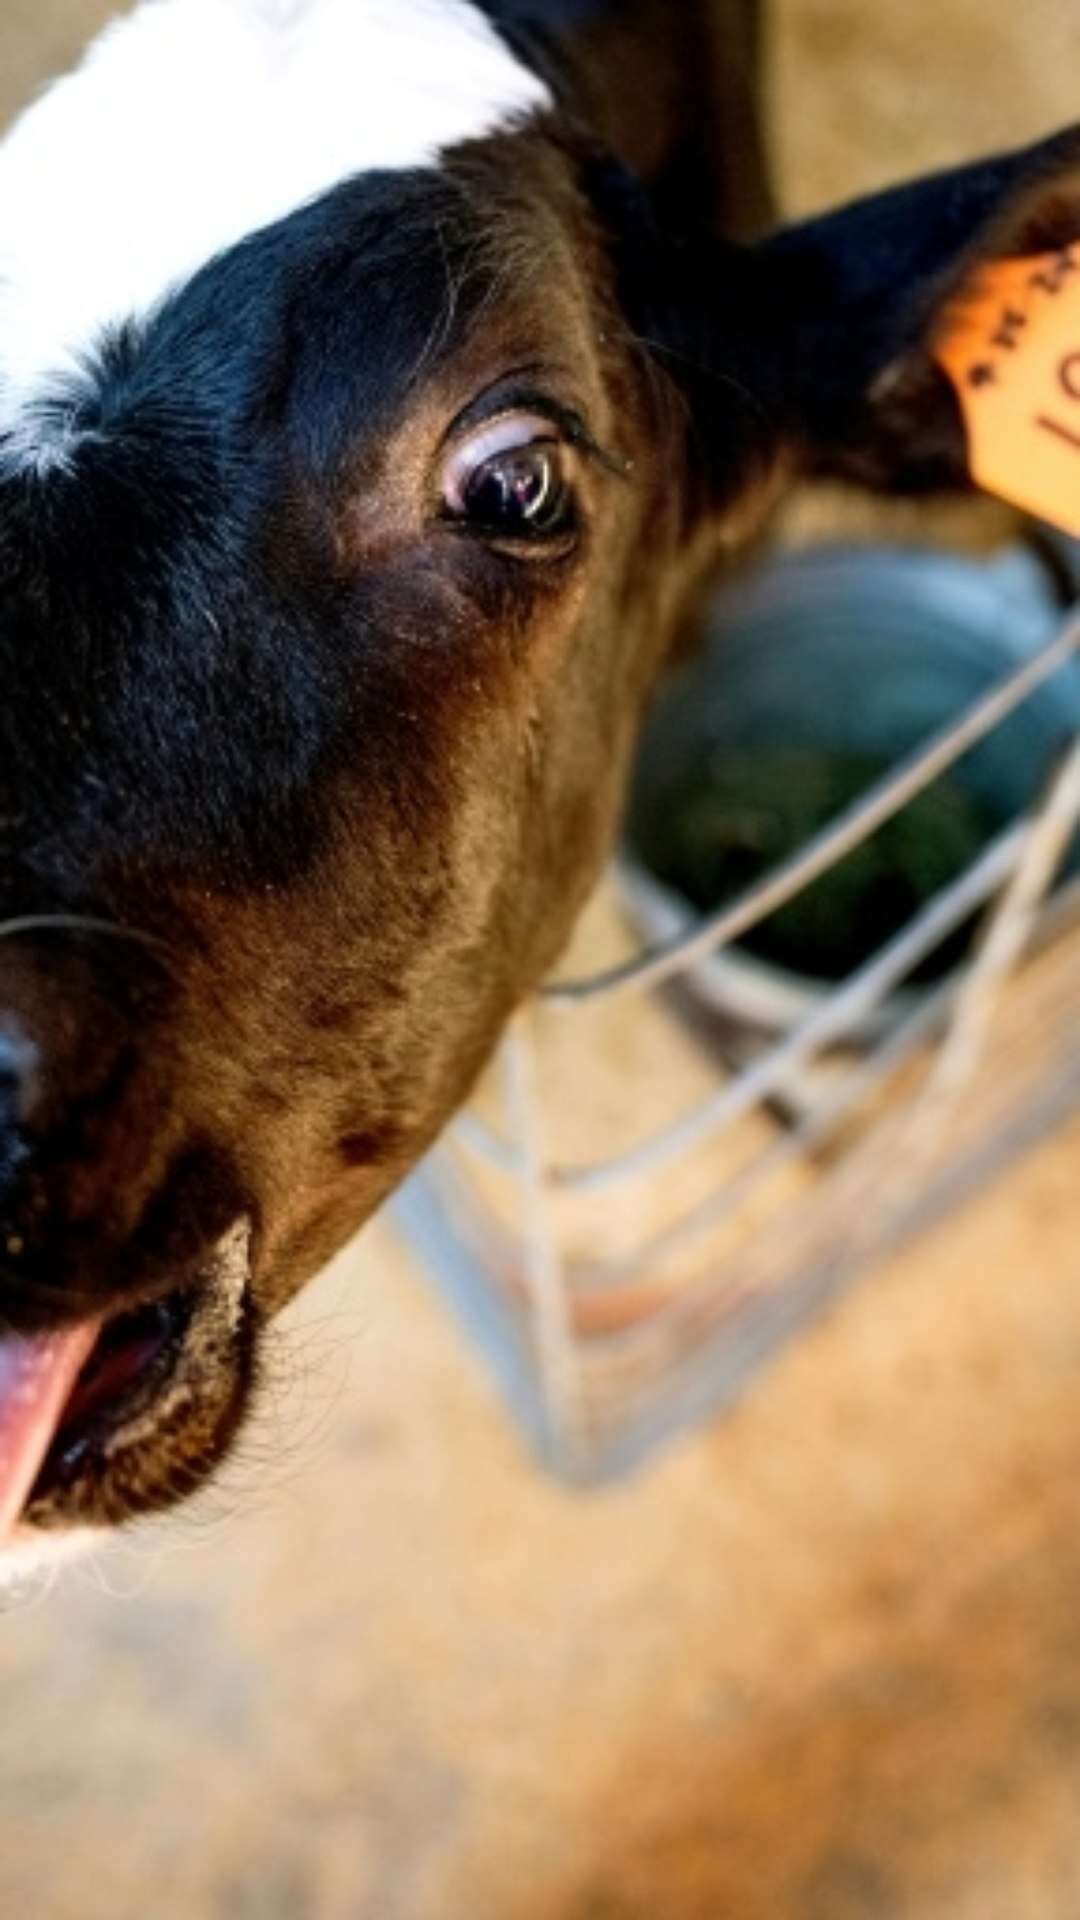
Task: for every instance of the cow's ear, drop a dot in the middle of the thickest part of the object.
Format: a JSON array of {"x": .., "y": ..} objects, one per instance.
[
  {"x": 815, "y": 350},
  {"x": 867, "y": 295}
]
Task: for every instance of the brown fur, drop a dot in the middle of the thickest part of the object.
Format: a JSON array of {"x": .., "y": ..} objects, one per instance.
[{"x": 310, "y": 1035}]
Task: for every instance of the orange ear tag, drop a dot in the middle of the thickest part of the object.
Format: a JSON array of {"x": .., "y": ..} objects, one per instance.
[{"x": 1011, "y": 347}]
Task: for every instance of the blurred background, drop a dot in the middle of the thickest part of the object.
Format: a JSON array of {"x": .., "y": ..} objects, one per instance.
[{"x": 821, "y": 1662}]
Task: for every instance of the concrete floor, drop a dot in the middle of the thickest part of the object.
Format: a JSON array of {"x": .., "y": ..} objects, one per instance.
[{"x": 823, "y": 1663}]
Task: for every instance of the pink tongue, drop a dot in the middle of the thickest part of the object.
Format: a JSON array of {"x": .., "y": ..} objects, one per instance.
[{"x": 36, "y": 1380}]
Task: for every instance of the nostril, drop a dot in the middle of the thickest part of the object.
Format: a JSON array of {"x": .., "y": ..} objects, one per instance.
[
  {"x": 18, "y": 1075},
  {"x": 68, "y": 1020},
  {"x": 18, "y": 1083}
]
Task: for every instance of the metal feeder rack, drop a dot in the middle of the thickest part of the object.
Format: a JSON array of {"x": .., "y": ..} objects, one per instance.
[{"x": 601, "y": 1359}]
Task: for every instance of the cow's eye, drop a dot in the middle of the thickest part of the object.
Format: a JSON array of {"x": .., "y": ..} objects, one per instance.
[{"x": 513, "y": 480}]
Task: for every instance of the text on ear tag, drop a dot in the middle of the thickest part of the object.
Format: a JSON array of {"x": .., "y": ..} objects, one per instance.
[{"x": 1011, "y": 347}]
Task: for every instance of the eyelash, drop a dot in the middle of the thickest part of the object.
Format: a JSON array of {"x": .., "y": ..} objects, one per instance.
[{"x": 508, "y": 397}]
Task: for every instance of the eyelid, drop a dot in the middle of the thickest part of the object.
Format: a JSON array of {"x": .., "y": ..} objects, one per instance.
[
  {"x": 507, "y": 433},
  {"x": 514, "y": 395}
]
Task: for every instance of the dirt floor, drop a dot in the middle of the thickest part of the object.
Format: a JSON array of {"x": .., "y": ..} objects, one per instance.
[{"x": 822, "y": 1663}]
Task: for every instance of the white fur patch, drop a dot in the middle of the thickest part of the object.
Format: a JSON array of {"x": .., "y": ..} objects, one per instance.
[
  {"x": 34, "y": 1559},
  {"x": 192, "y": 123}
]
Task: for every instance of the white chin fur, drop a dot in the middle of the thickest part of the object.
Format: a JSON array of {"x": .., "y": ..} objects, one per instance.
[
  {"x": 33, "y": 1559},
  {"x": 193, "y": 123}
]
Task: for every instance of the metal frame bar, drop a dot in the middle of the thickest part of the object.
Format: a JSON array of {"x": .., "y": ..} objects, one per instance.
[{"x": 594, "y": 1406}]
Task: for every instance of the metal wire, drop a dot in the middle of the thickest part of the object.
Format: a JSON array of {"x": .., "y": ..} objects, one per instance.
[
  {"x": 809, "y": 1133},
  {"x": 979, "y": 993},
  {"x": 851, "y": 827},
  {"x": 824, "y": 1026},
  {"x": 557, "y": 1354},
  {"x": 602, "y": 1400}
]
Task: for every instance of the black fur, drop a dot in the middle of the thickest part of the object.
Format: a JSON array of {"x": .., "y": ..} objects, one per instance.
[{"x": 336, "y": 772}]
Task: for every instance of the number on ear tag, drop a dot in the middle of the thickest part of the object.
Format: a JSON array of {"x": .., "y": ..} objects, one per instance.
[{"x": 1011, "y": 347}]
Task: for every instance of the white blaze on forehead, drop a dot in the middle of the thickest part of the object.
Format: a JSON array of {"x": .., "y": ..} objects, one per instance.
[{"x": 192, "y": 123}]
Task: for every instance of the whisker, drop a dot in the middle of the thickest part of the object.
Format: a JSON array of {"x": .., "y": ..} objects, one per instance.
[{"x": 76, "y": 923}]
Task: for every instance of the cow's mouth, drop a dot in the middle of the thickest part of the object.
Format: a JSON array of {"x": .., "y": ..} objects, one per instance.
[
  {"x": 127, "y": 1367},
  {"x": 83, "y": 1407}
]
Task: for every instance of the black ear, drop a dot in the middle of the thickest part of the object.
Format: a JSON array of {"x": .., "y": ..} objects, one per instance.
[
  {"x": 859, "y": 296},
  {"x": 814, "y": 350}
]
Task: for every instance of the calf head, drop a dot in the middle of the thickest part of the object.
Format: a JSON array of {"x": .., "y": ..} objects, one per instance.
[{"x": 363, "y": 449}]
